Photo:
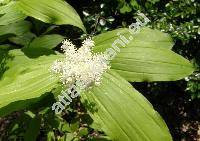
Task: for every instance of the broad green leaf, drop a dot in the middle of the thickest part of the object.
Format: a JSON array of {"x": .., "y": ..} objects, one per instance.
[
  {"x": 51, "y": 11},
  {"x": 151, "y": 64},
  {"x": 33, "y": 129},
  {"x": 145, "y": 58},
  {"x": 23, "y": 39},
  {"x": 17, "y": 28},
  {"x": 24, "y": 79},
  {"x": 146, "y": 37},
  {"x": 123, "y": 113},
  {"x": 10, "y": 14},
  {"x": 46, "y": 41}
]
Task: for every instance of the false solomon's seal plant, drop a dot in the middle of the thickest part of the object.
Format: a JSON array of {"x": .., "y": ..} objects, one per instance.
[
  {"x": 118, "y": 110},
  {"x": 122, "y": 112}
]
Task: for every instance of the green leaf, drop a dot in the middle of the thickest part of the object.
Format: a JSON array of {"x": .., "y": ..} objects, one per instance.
[
  {"x": 50, "y": 136},
  {"x": 24, "y": 79},
  {"x": 146, "y": 58},
  {"x": 10, "y": 14},
  {"x": 126, "y": 8},
  {"x": 135, "y": 4},
  {"x": 51, "y": 11},
  {"x": 33, "y": 129},
  {"x": 123, "y": 113},
  {"x": 67, "y": 137},
  {"x": 146, "y": 38},
  {"x": 17, "y": 28},
  {"x": 4, "y": 2},
  {"x": 151, "y": 64},
  {"x": 23, "y": 39},
  {"x": 46, "y": 41},
  {"x": 83, "y": 131}
]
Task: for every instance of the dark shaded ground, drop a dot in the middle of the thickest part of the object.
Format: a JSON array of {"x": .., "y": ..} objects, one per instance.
[{"x": 181, "y": 114}]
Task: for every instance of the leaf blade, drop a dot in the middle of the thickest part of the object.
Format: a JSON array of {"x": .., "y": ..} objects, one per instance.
[
  {"x": 145, "y": 58},
  {"x": 51, "y": 11},
  {"x": 24, "y": 79},
  {"x": 17, "y": 28},
  {"x": 123, "y": 113},
  {"x": 151, "y": 64},
  {"x": 11, "y": 14},
  {"x": 146, "y": 37},
  {"x": 46, "y": 41}
]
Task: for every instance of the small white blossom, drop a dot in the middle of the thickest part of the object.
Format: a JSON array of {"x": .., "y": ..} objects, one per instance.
[
  {"x": 57, "y": 67},
  {"x": 82, "y": 65}
]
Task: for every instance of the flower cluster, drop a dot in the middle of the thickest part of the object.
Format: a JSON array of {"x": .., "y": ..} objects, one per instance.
[{"x": 80, "y": 66}]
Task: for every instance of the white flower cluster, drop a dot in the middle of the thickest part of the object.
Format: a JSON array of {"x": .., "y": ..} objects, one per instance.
[{"x": 80, "y": 66}]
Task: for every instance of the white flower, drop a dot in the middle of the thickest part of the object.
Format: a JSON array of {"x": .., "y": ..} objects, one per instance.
[
  {"x": 82, "y": 66},
  {"x": 57, "y": 67}
]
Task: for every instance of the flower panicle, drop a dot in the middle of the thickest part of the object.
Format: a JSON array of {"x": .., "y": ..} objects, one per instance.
[{"x": 82, "y": 65}]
